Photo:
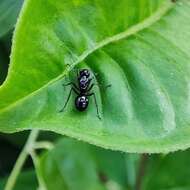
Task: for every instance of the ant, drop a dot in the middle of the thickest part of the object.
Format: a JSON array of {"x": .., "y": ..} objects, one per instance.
[{"x": 83, "y": 91}]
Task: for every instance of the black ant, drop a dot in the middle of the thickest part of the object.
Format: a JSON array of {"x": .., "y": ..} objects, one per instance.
[{"x": 83, "y": 91}]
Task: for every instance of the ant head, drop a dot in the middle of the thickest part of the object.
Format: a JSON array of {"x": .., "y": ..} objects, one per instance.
[{"x": 85, "y": 72}]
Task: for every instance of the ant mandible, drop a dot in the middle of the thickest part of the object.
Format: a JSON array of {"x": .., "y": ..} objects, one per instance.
[{"x": 83, "y": 91}]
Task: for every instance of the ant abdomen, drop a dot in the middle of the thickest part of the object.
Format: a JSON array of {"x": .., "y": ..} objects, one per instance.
[{"x": 81, "y": 103}]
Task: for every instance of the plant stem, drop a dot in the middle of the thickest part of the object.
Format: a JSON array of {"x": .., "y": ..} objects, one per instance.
[
  {"x": 43, "y": 145},
  {"x": 130, "y": 160},
  {"x": 141, "y": 171},
  {"x": 21, "y": 160},
  {"x": 41, "y": 182}
]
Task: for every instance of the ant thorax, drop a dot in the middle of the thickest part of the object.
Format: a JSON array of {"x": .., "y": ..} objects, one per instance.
[{"x": 83, "y": 82}]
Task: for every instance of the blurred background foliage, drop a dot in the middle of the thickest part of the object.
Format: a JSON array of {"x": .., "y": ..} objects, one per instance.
[{"x": 73, "y": 165}]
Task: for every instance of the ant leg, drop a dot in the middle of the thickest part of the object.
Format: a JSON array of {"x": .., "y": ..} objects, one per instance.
[
  {"x": 92, "y": 85},
  {"x": 93, "y": 77},
  {"x": 97, "y": 110},
  {"x": 72, "y": 89},
  {"x": 108, "y": 86},
  {"x": 71, "y": 83}
]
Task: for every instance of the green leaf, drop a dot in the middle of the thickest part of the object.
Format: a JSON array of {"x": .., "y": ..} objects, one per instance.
[
  {"x": 27, "y": 180},
  {"x": 140, "y": 47},
  {"x": 9, "y": 10},
  {"x": 75, "y": 165},
  {"x": 169, "y": 172}
]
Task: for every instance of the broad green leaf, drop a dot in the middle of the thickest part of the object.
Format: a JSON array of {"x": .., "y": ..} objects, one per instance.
[
  {"x": 26, "y": 180},
  {"x": 118, "y": 168},
  {"x": 9, "y": 10},
  {"x": 140, "y": 47},
  {"x": 169, "y": 172},
  {"x": 74, "y": 165}
]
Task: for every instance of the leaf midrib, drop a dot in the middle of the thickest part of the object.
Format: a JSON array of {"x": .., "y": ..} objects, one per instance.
[{"x": 164, "y": 8}]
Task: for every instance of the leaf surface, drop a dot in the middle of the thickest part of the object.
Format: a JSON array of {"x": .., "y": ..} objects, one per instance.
[
  {"x": 9, "y": 10},
  {"x": 140, "y": 47},
  {"x": 73, "y": 165},
  {"x": 168, "y": 172},
  {"x": 26, "y": 180}
]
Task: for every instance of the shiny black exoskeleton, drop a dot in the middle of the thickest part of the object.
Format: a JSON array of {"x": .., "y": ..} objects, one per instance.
[{"x": 83, "y": 91}]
